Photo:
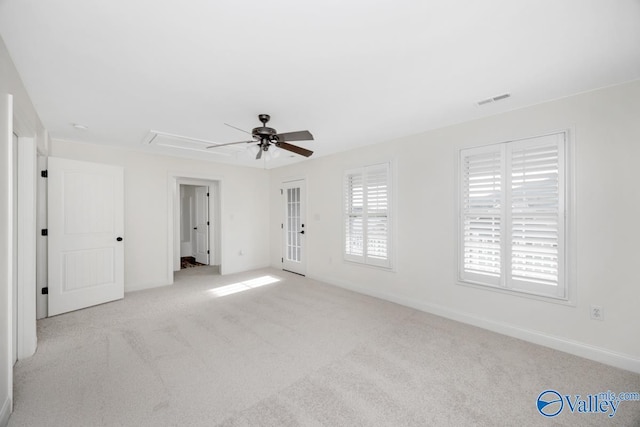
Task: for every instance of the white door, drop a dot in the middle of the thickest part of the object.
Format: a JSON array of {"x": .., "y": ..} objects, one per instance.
[
  {"x": 85, "y": 229},
  {"x": 202, "y": 225},
  {"x": 294, "y": 257}
]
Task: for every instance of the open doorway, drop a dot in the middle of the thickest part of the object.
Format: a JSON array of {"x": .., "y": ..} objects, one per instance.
[{"x": 194, "y": 226}]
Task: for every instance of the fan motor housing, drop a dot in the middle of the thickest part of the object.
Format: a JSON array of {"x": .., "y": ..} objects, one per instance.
[{"x": 263, "y": 132}]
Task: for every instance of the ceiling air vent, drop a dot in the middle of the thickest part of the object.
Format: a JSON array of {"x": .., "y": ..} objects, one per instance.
[
  {"x": 494, "y": 99},
  {"x": 187, "y": 144}
]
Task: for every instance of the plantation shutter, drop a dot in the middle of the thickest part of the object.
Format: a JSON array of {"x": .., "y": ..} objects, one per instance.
[
  {"x": 482, "y": 214},
  {"x": 377, "y": 196},
  {"x": 354, "y": 215},
  {"x": 537, "y": 214},
  {"x": 367, "y": 198},
  {"x": 512, "y": 215}
]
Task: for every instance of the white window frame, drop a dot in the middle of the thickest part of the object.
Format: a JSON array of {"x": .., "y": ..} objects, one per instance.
[
  {"x": 565, "y": 290},
  {"x": 365, "y": 258}
]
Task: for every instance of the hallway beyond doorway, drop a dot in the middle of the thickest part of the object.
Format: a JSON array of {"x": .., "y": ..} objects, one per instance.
[{"x": 189, "y": 262}]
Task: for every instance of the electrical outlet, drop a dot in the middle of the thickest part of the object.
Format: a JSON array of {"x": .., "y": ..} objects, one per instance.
[{"x": 596, "y": 312}]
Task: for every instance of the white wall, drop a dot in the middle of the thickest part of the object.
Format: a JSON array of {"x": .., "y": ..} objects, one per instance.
[
  {"x": 607, "y": 141},
  {"x": 244, "y": 194}
]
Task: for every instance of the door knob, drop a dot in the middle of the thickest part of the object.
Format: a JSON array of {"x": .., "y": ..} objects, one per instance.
[
  {"x": 301, "y": 232},
  {"x": 119, "y": 239}
]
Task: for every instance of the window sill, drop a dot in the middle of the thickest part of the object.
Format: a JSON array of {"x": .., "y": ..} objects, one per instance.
[{"x": 372, "y": 266}]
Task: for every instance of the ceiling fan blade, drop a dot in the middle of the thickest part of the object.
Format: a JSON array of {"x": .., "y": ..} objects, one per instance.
[
  {"x": 231, "y": 143},
  {"x": 301, "y": 135},
  {"x": 236, "y": 128},
  {"x": 259, "y": 155},
  {"x": 294, "y": 149}
]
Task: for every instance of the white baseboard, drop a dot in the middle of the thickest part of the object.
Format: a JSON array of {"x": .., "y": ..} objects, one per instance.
[
  {"x": 5, "y": 412},
  {"x": 598, "y": 354}
]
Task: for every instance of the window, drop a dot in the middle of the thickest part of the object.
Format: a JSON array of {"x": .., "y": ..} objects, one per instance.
[
  {"x": 513, "y": 216},
  {"x": 367, "y": 195}
]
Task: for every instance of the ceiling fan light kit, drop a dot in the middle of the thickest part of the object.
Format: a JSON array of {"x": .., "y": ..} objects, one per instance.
[{"x": 267, "y": 137}]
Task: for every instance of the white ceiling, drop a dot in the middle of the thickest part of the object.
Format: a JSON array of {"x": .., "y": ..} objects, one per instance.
[{"x": 352, "y": 72}]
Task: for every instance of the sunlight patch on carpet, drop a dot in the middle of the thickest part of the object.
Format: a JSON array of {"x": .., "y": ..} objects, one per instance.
[{"x": 234, "y": 288}]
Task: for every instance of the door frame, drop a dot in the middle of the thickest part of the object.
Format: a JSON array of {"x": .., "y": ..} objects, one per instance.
[
  {"x": 15, "y": 121},
  {"x": 42, "y": 271},
  {"x": 215, "y": 184},
  {"x": 7, "y": 176},
  {"x": 303, "y": 218},
  {"x": 27, "y": 241},
  {"x": 15, "y": 259},
  {"x": 26, "y": 175}
]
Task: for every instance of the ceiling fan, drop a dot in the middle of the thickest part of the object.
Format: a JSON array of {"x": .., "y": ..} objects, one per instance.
[{"x": 266, "y": 136}]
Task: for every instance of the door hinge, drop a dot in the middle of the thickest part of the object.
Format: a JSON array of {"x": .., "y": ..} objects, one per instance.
[
  {"x": 44, "y": 173},
  {"x": 207, "y": 251},
  {"x": 282, "y": 226},
  {"x": 207, "y": 222},
  {"x": 207, "y": 194},
  {"x": 281, "y": 259},
  {"x": 45, "y": 290},
  {"x": 44, "y": 232},
  {"x": 281, "y": 191}
]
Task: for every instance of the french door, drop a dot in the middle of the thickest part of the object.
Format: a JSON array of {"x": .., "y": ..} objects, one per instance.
[{"x": 293, "y": 227}]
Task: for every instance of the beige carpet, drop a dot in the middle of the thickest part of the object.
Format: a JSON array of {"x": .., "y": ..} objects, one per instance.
[{"x": 242, "y": 351}]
